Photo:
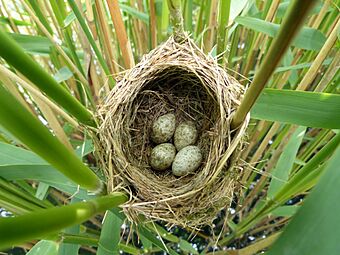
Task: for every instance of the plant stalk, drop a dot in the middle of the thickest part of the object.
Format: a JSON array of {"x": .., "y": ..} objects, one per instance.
[
  {"x": 15, "y": 56},
  {"x": 22, "y": 124},
  {"x": 223, "y": 19},
  {"x": 317, "y": 63},
  {"x": 176, "y": 18},
  {"x": 122, "y": 37},
  {"x": 288, "y": 190},
  {"x": 91, "y": 40},
  {"x": 290, "y": 26},
  {"x": 15, "y": 230}
]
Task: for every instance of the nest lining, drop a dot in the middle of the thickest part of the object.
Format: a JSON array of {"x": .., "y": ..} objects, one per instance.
[{"x": 173, "y": 78}]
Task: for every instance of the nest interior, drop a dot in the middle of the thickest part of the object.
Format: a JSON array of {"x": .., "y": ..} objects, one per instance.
[{"x": 173, "y": 78}]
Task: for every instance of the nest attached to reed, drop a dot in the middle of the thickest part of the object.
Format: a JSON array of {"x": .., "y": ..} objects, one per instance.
[{"x": 173, "y": 78}]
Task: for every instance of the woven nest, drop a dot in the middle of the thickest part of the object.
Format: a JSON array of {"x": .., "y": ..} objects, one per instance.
[{"x": 173, "y": 78}]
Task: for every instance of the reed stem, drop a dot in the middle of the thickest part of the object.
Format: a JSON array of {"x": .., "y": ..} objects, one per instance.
[
  {"x": 290, "y": 26},
  {"x": 176, "y": 18},
  {"x": 15, "y": 230}
]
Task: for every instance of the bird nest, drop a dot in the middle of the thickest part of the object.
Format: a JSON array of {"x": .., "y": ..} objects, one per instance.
[{"x": 178, "y": 78}]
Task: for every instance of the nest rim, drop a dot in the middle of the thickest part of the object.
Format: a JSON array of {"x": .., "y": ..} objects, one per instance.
[{"x": 149, "y": 197}]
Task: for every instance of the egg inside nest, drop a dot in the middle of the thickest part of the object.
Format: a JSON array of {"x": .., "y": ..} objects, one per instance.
[
  {"x": 187, "y": 101},
  {"x": 163, "y": 156}
]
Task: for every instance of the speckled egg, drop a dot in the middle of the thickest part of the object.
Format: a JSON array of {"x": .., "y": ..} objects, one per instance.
[
  {"x": 163, "y": 128},
  {"x": 162, "y": 156},
  {"x": 187, "y": 160},
  {"x": 185, "y": 134}
]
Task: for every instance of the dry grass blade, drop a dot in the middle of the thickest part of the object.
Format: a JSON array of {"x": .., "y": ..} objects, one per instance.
[
  {"x": 57, "y": 46},
  {"x": 313, "y": 70},
  {"x": 153, "y": 24},
  {"x": 35, "y": 92},
  {"x": 123, "y": 40},
  {"x": 107, "y": 37}
]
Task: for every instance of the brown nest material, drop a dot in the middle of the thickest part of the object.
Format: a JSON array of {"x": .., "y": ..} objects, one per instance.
[{"x": 173, "y": 78}]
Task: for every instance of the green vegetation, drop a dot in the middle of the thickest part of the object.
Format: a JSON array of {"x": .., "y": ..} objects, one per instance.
[{"x": 58, "y": 61}]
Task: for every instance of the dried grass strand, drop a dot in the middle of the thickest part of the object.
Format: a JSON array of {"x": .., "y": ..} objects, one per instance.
[{"x": 178, "y": 78}]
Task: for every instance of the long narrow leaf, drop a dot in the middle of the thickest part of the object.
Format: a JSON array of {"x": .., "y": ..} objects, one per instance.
[
  {"x": 236, "y": 8},
  {"x": 298, "y": 107},
  {"x": 28, "y": 166},
  {"x": 67, "y": 248},
  {"x": 300, "y": 182},
  {"x": 290, "y": 26},
  {"x": 281, "y": 172},
  {"x": 93, "y": 241},
  {"x": 44, "y": 247},
  {"x": 142, "y": 231},
  {"x": 37, "y": 9},
  {"x": 15, "y": 56},
  {"x": 135, "y": 13},
  {"x": 16, "y": 230},
  {"x": 315, "y": 229},
  {"x": 6, "y": 21},
  {"x": 90, "y": 39},
  {"x": 306, "y": 172},
  {"x": 126, "y": 8},
  {"x": 13, "y": 190},
  {"x": 223, "y": 19},
  {"x": 22, "y": 124},
  {"x": 37, "y": 45},
  {"x": 110, "y": 235},
  {"x": 308, "y": 38},
  {"x": 285, "y": 211}
]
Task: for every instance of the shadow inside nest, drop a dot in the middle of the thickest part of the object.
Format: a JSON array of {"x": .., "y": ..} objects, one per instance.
[
  {"x": 174, "y": 78},
  {"x": 176, "y": 91}
]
